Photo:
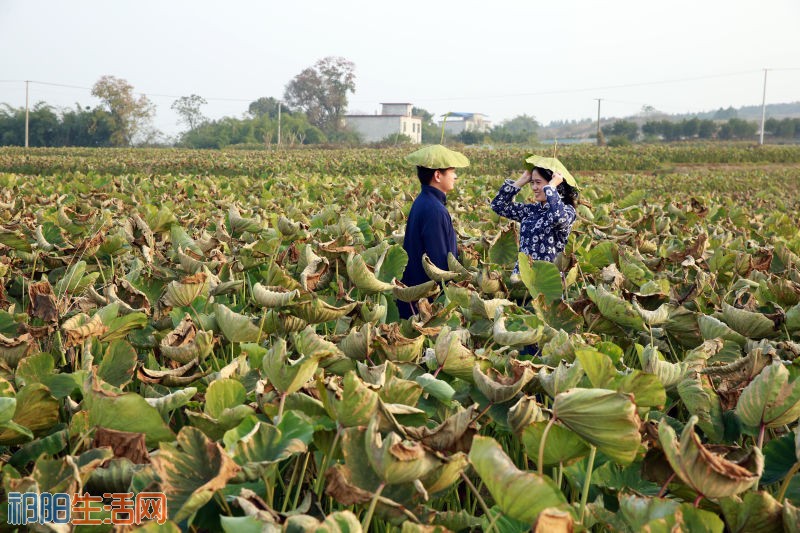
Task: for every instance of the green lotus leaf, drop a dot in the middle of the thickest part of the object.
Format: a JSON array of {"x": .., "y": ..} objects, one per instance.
[
  {"x": 705, "y": 471},
  {"x": 415, "y": 292},
  {"x": 519, "y": 494},
  {"x": 439, "y": 389},
  {"x": 282, "y": 324},
  {"x": 66, "y": 474},
  {"x": 317, "y": 311},
  {"x": 615, "y": 308},
  {"x": 239, "y": 224},
  {"x": 598, "y": 366},
  {"x": 560, "y": 347},
  {"x": 455, "y": 359},
  {"x": 174, "y": 400},
  {"x": 236, "y": 327},
  {"x": 223, "y": 394},
  {"x": 15, "y": 240},
  {"x": 437, "y": 274},
  {"x": 487, "y": 308},
  {"x": 118, "y": 364},
  {"x": 750, "y": 324},
  {"x": 712, "y": 328},
  {"x": 181, "y": 240},
  {"x": 447, "y": 475},
  {"x": 540, "y": 277},
  {"x": 524, "y": 413},
  {"x": 186, "y": 343},
  {"x": 288, "y": 227},
  {"x": 504, "y": 249},
  {"x": 352, "y": 404},
  {"x": 793, "y": 319},
  {"x": 395, "y": 460},
  {"x": 215, "y": 427},
  {"x": 74, "y": 280},
  {"x": 791, "y": 517},
  {"x": 454, "y": 266},
  {"x": 273, "y": 296},
  {"x": 358, "y": 343},
  {"x": 770, "y": 399},
  {"x": 363, "y": 278},
  {"x": 35, "y": 410},
  {"x": 498, "y": 387},
  {"x": 120, "y": 326},
  {"x": 12, "y": 350},
  {"x": 670, "y": 374},
  {"x": 375, "y": 314},
  {"x": 454, "y": 433},
  {"x": 310, "y": 345},
  {"x": 560, "y": 379},
  {"x": 606, "y": 419},
  {"x": 182, "y": 293},
  {"x": 191, "y": 471},
  {"x": 756, "y": 512},
  {"x": 287, "y": 378},
  {"x": 266, "y": 444},
  {"x": 514, "y": 338},
  {"x": 561, "y": 446},
  {"x": 654, "y": 287}
]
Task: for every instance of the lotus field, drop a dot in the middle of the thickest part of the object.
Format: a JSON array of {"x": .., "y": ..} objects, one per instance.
[{"x": 221, "y": 327}]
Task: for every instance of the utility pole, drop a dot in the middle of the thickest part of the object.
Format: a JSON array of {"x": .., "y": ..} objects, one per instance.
[
  {"x": 27, "y": 83},
  {"x": 763, "y": 109},
  {"x": 599, "y": 133},
  {"x": 279, "y": 122}
]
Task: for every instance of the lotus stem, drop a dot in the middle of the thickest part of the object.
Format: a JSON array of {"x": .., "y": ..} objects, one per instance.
[
  {"x": 481, "y": 413},
  {"x": 560, "y": 477},
  {"x": 368, "y": 517},
  {"x": 542, "y": 442},
  {"x": 666, "y": 484},
  {"x": 280, "y": 408},
  {"x": 587, "y": 482},
  {"x": 300, "y": 481},
  {"x": 325, "y": 462},
  {"x": 224, "y": 503},
  {"x": 786, "y": 481},
  {"x": 697, "y": 501},
  {"x": 484, "y": 507},
  {"x": 761, "y": 435},
  {"x": 291, "y": 483}
]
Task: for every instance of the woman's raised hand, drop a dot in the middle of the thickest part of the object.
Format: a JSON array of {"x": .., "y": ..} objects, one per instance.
[
  {"x": 525, "y": 178},
  {"x": 557, "y": 180}
]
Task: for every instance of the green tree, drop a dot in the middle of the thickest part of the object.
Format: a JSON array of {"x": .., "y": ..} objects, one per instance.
[
  {"x": 622, "y": 128},
  {"x": 520, "y": 129},
  {"x": 431, "y": 133},
  {"x": 267, "y": 105},
  {"x": 707, "y": 129},
  {"x": 188, "y": 109},
  {"x": 321, "y": 91},
  {"x": 131, "y": 115}
]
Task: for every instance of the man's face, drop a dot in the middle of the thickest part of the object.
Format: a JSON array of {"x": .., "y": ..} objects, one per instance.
[{"x": 445, "y": 180}]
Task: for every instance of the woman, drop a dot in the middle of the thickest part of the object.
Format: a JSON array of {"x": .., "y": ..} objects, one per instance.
[{"x": 544, "y": 225}]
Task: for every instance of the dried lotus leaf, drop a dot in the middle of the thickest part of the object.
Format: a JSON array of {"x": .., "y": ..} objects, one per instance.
[
  {"x": 436, "y": 273},
  {"x": 186, "y": 343},
  {"x": 415, "y": 292},
  {"x": 273, "y": 296},
  {"x": 363, "y": 278}
]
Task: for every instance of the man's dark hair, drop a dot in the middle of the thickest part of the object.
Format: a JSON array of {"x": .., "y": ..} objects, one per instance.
[
  {"x": 425, "y": 174},
  {"x": 569, "y": 194}
]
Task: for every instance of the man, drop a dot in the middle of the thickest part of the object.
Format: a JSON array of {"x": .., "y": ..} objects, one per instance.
[{"x": 429, "y": 229}]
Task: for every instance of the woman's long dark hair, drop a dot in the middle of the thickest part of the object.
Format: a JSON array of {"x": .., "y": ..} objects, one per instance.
[{"x": 569, "y": 194}]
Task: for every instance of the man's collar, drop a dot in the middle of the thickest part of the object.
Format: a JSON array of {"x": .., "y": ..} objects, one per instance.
[{"x": 442, "y": 197}]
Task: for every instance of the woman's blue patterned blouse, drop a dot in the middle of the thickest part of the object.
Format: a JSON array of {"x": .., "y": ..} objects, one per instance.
[{"x": 544, "y": 228}]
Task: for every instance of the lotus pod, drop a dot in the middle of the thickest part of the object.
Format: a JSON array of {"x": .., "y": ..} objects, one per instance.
[
  {"x": 436, "y": 273},
  {"x": 80, "y": 327},
  {"x": 310, "y": 345},
  {"x": 287, "y": 378},
  {"x": 14, "y": 349},
  {"x": 416, "y": 292},
  {"x": 489, "y": 282},
  {"x": 186, "y": 343},
  {"x": 513, "y": 338},
  {"x": 273, "y": 296},
  {"x": 182, "y": 293},
  {"x": 770, "y": 400},
  {"x": 454, "y": 266},
  {"x": 239, "y": 224},
  {"x": 358, "y": 343},
  {"x": 363, "y": 278},
  {"x": 397, "y": 347},
  {"x": 604, "y": 418},
  {"x": 288, "y": 227},
  {"x": 486, "y": 308},
  {"x": 354, "y": 404},
  {"x": 708, "y": 473},
  {"x": 455, "y": 359},
  {"x": 498, "y": 387},
  {"x": 317, "y": 311},
  {"x": 524, "y": 413},
  {"x": 562, "y": 378},
  {"x": 396, "y": 460},
  {"x": 670, "y": 374},
  {"x": 236, "y": 327}
]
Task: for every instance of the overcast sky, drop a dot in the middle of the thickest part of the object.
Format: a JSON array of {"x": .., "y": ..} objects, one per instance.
[{"x": 498, "y": 57}]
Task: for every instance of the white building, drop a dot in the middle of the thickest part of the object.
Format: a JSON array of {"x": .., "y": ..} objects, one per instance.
[
  {"x": 394, "y": 118},
  {"x": 456, "y": 123}
]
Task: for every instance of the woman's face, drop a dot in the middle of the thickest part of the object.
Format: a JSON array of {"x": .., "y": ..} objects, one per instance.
[{"x": 537, "y": 184}]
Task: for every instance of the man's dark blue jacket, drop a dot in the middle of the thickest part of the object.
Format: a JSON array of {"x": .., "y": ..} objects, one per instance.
[{"x": 429, "y": 230}]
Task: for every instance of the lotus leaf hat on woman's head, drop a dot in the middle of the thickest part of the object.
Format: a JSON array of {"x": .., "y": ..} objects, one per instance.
[
  {"x": 551, "y": 163},
  {"x": 437, "y": 156}
]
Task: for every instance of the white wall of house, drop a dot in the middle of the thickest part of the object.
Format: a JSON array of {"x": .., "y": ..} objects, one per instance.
[
  {"x": 396, "y": 109},
  {"x": 477, "y": 122},
  {"x": 376, "y": 127}
]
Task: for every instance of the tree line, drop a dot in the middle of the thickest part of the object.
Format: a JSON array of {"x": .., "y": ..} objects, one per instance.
[{"x": 626, "y": 131}]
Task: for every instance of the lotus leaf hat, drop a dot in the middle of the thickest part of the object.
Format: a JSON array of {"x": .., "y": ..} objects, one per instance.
[
  {"x": 437, "y": 156},
  {"x": 551, "y": 163}
]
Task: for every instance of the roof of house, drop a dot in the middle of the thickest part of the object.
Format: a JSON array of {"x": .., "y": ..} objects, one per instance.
[
  {"x": 464, "y": 115},
  {"x": 395, "y": 103},
  {"x": 377, "y": 116}
]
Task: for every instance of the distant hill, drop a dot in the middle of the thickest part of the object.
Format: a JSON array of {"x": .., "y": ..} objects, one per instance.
[{"x": 588, "y": 127}]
